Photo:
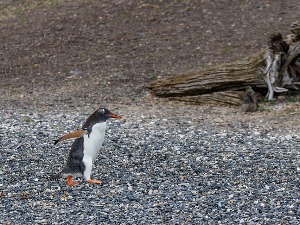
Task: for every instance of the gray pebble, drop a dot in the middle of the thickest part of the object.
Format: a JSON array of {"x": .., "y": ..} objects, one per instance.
[{"x": 155, "y": 170}]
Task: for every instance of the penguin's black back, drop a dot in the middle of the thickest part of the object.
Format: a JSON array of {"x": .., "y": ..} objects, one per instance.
[{"x": 74, "y": 163}]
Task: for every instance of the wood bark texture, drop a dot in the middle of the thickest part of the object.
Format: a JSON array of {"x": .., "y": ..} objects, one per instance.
[{"x": 275, "y": 69}]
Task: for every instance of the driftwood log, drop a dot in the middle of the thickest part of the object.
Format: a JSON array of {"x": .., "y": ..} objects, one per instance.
[{"x": 272, "y": 70}]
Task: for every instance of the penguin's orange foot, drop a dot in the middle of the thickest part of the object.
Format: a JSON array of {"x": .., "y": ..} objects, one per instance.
[
  {"x": 70, "y": 182},
  {"x": 95, "y": 181}
]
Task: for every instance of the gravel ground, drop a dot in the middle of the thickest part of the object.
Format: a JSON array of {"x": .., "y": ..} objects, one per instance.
[{"x": 196, "y": 165}]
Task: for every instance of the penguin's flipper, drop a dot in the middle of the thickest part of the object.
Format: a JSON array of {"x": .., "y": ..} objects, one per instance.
[{"x": 74, "y": 134}]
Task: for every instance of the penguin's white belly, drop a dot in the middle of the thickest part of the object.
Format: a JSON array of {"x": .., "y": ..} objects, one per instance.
[{"x": 94, "y": 141}]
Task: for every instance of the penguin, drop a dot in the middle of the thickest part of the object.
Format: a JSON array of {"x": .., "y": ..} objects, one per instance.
[{"x": 86, "y": 146}]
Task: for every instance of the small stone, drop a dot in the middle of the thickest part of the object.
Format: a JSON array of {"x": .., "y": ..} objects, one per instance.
[{"x": 288, "y": 137}]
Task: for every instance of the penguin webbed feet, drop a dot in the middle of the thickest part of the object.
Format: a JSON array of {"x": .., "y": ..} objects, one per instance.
[
  {"x": 95, "y": 181},
  {"x": 71, "y": 183}
]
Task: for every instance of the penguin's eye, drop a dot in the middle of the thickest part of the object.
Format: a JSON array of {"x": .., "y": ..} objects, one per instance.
[{"x": 101, "y": 111}]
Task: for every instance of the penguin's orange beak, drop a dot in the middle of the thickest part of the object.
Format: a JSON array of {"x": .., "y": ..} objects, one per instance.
[{"x": 111, "y": 115}]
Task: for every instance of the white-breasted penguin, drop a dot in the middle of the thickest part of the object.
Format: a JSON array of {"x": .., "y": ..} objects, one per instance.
[{"x": 86, "y": 147}]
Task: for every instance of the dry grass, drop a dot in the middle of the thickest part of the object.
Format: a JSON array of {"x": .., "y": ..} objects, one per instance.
[{"x": 14, "y": 8}]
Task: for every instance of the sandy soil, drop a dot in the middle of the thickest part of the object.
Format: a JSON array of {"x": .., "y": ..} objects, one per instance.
[{"x": 75, "y": 53}]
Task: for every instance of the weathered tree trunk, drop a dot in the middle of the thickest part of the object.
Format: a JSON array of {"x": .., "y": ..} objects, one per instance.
[
  {"x": 275, "y": 69},
  {"x": 224, "y": 84},
  {"x": 220, "y": 98}
]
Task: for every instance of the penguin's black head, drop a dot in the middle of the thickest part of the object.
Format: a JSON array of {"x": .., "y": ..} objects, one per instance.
[
  {"x": 99, "y": 116},
  {"x": 106, "y": 114}
]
